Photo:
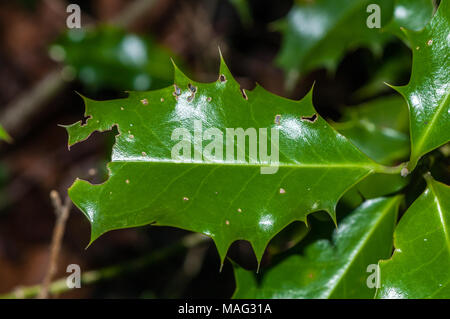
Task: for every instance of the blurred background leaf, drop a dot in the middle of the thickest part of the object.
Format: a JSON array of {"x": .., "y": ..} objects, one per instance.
[{"x": 108, "y": 57}]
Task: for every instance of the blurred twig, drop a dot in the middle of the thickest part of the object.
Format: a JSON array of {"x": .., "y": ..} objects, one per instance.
[
  {"x": 62, "y": 213},
  {"x": 59, "y": 286},
  {"x": 133, "y": 12},
  {"x": 191, "y": 267},
  {"x": 27, "y": 105}
]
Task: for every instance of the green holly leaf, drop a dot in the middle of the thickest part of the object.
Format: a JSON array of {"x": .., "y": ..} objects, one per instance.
[
  {"x": 420, "y": 265},
  {"x": 379, "y": 128},
  {"x": 377, "y": 185},
  {"x": 107, "y": 56},
  {"x": 412, "y": 15},
  {"x": 336, "y": 269},
  {"x": 170, "y": 164},
  {"x": 318, "y": 33},
  {"x": 427, "y": 92},
  {"x": 4, "y": 135}
]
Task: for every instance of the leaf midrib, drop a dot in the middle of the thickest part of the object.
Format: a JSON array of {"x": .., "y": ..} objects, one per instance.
[
  {"x": 429, "y": 127},
  {"x": 360, "y": 245},
  {"x": 371, "y": 168},
  {"x": 441, "y": 216}
]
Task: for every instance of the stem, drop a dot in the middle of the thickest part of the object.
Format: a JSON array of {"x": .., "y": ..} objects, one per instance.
[
  {"x": 399, "y": 169},
  {"x": 90, "y": 277},
  {"x": 62, "y": 213}
]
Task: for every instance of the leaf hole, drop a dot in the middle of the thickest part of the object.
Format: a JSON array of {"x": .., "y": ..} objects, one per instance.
[
  {"x": 311, "y": 118},
  {"x": 192, "y": 88}
]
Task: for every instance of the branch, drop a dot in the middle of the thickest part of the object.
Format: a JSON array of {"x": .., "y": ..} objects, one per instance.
[
  {"x": 28, "y": 104},
  {"x": 62, "y": 213},
  {"x": 90, "y": 277}
]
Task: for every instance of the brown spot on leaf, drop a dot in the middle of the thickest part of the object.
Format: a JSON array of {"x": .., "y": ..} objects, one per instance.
[
  {"x": 192, "y": 88},
  {"x": 177, "y": 90},
  {"x": 311, "y": 118},
  {"x": 222, "y": 78},
  {"x": 278, "y": 119}
]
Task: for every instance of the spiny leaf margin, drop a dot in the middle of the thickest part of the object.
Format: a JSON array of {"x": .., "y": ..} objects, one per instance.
[{"x": 226, "y": 229}]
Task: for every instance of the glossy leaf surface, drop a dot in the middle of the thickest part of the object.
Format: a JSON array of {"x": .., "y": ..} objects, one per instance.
[
  {"x": 428, "y": 91},
  {"x": 420, "y": 266},
  {"x": 226, "y": 198},
  {"x": 336, "y": 269}
]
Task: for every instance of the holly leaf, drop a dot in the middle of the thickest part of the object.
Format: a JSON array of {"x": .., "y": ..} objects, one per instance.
[
  {"x": 336, "y": 269},
  {"x": 427, "y": 92},
  {"x": 108, "y": 56},
  {"x": 412, "y": 15},
  {"x": 317, "y": 34},
  {"x": 176, "y": 162},
  {"x": 420, "y": 265},
  {"x": 379, "y": 128}
]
